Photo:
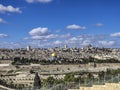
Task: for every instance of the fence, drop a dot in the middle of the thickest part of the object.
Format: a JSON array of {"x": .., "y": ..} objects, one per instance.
[
  {"x": 86, "y": 83},
  {"x": 76, "y": 85}
]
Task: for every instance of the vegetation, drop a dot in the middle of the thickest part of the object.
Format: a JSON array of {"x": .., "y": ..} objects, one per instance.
[
  {"x": 75, "y": 77},
  {"x": 9, "y": 85},
  {"x": 26, "y": 61},
  {"x": 37, "y": 82},
  {"x": 69, "y": 77}
]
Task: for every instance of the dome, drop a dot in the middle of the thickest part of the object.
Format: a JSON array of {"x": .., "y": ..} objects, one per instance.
[{"x": 53, "y": 54}]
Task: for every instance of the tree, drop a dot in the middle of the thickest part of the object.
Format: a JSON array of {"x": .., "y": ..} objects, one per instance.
[
  {"x": 101, "y": 74},
  {"x": 37, "y": 82},
  {"x": 69, "y": 77},
  {"x": 50, "y": 81},
  {"x": 90, "y": 76},
  {"x": 31, "y": 71}
]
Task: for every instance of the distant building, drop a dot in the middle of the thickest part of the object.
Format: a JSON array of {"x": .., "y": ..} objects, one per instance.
[
  {"x": 65, "y": 46},
  {"x": 28, "y": 48}
]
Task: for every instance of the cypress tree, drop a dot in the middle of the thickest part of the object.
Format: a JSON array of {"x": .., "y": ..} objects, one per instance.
[{"x": 37, "y": 82}]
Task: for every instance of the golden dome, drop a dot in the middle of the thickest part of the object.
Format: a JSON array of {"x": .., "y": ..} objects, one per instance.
[{"x": 53, "y": 54}]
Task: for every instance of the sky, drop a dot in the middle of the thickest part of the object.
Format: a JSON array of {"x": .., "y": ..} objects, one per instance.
[{"x": 55, "y": 23}]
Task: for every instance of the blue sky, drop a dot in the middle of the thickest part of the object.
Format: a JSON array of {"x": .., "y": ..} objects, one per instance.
[{"x": 48, "y": 23}]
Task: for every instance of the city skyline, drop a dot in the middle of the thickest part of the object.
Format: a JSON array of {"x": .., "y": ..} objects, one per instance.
[{"x": 51, "y": 23}]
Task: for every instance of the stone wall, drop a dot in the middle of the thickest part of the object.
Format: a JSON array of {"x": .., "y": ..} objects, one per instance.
[{"x": 107, "y": 86}]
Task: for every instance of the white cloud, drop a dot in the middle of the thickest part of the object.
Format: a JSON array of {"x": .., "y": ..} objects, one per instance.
[
  {"x": 39, "y": 31},
  {"x": 106, "y": 43},
  {"x": 9, "y": 8},
  {"x": 44, "y": 37},
  {"x": 11, "y": 45},
  {"x": 3, "y": 35},
  {"x": 73, "y": 39},
  {"x": 57, "y": 42},
  {"x": 86, "y": 42},
  {"x": 2, "y": 21},
  {"x": 51, "y": 36},
  {"x": 36, "y": 43},
  {"x": 99, "y": 24},
  {"x": 115, "y": 34},
  {"x": 80, "y": 39},
  {"x": 40, "y": 1},
  {"x": 75, "y": 27},
  {"x": 65, "y": 35},
  {"x": 26, "y": 38}
]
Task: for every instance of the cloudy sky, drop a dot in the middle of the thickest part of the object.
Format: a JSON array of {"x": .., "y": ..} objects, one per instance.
[{"x": 51, "y": 23}]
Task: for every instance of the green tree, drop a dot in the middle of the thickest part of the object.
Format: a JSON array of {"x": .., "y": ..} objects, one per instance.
[
  {"x": 101, "y": 74},
  {"x": 90, "y": 76},
  {"x": 50, "y": 81},
  {"x": 31, "y": 71},
  {"x": 37, "y": 82},
  {"x": 69, "y": 77}
]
